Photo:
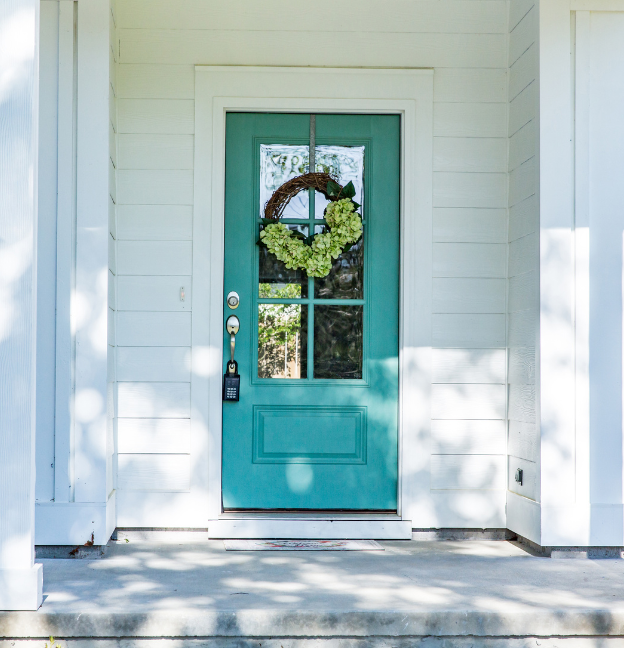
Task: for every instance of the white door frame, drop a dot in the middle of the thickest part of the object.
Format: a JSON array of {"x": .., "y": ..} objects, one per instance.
[{"x": 408, "y": 92}]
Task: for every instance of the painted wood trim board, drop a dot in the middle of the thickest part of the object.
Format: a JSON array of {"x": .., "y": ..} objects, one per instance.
[{"x": 407, "y": 92}]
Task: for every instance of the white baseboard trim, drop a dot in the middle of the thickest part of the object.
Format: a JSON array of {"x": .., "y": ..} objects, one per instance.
[
  {"x": 252, "y": 529},
  {"x": 162, "y": 510},
  {"x": 523, "y": 517},
  {"x": 21, "y": 589},
  {"x": 72, "y": 523}
]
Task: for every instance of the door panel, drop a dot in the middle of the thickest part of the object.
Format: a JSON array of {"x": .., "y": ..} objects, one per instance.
[{"x": 316, "y": 424}]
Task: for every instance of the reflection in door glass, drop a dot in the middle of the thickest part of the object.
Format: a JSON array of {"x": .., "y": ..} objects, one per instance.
[
  {"x": 338, "y": 341},
  {"x": 276, "y": 281},
  {"x": 346, "y": 277},
  {"x": 282, "y": 340},
  {"x": 278, "y": 164},
  {"x": 346, "y": 164}
]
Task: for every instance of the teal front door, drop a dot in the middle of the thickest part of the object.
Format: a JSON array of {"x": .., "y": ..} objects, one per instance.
[{"x": 315, "y": 428}]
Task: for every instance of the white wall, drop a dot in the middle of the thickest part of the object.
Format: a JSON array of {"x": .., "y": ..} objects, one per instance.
[
  {"x": 160, "y": 41},
  {"x": 132, "y": 357},
  {"x": 523, "y": 271}
]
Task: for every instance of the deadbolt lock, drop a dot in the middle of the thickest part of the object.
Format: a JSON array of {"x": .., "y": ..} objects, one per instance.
[{"x": 233, "y": 300}]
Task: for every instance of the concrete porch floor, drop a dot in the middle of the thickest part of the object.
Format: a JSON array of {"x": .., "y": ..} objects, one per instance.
[{"x": 413, "y": 590}]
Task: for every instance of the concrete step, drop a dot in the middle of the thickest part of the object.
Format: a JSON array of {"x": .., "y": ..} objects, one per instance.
[
  {"x": 317, "y": 624},
  {"x": 331, "y": 642}
]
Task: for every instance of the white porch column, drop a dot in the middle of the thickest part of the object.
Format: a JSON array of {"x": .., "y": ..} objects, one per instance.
[
  {"x": 83, "y": 508},
  {"x": 559, "y": 500},
  {"x": 21, "y": 581},
  {"x": 581, "y": 277}
]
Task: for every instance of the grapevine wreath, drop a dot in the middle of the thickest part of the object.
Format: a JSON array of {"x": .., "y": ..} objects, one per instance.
[{"x": 314, "y": 253}]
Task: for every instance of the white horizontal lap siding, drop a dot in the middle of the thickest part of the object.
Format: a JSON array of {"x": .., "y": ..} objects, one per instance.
[
  {"x": 155, "y": 187},
  {"x": 153, "y": 293},
  {"x": 523, "y": 268},
  {"x": 470, "y": 366},
  {"x": 469, "y": 297},
  {"x": 154, "y": 472},
  {"x": 429, "y": 16},
  {"x": 156, "y": 116},
  {"x": 155, "y": 222},
  {"x": 157, "y": 364},
  {"x": 156, "y": 151},
  {"x": 309, "y": 48},
  {"x": 468, "y": 437},
  {"x": 154, "y": 231},
  {"x": 146, "y": 436},
  {"x": 468, "y": 401},
  {"x": 154, "y": 257},
  {"x": 161, "y": 41},
  {"x": 150, "y": 329},
  {"x": 154, "y": 400},
  {"x": 452, "y": 472}
]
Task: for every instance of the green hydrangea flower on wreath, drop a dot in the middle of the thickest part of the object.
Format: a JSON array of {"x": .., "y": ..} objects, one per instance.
[{"x": 313, "y": 254}]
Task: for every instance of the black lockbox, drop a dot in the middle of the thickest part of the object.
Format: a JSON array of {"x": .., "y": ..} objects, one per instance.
[{"x": 231, "y": 383}]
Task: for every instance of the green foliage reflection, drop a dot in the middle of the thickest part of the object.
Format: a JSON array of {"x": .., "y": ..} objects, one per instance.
[{"x": 281, "y": 341}]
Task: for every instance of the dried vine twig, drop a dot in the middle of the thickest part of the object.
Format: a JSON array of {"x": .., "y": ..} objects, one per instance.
[{"x": 276, "y": 204}]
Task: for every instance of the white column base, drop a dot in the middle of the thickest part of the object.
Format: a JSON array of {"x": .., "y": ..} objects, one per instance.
[{"x": 21, "y": 589}]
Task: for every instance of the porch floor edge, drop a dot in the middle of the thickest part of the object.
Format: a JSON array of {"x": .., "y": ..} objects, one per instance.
[{"x": 258, "y": 624}]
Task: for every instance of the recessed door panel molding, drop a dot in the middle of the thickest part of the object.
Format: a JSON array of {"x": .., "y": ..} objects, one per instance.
[{"x": 284, "y": 434}]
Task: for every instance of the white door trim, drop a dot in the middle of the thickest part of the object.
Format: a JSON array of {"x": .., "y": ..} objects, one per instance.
[
  {"x": 408, "y": 92},
  {"x": 596, "y": 5}
]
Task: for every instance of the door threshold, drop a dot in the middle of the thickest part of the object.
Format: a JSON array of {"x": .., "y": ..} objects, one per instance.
[
  {"x": 298, "y": 527},
  {"x": 307, "y": 512},
  {"x": 289, "y": 514}
]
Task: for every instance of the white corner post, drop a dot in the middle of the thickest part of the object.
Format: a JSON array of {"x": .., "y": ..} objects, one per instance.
[
  {"x": 557, "y": 323},
  {"x": 21, "y": 581},
  {"x": 581, "y": 243},
  {"x": 92, "y": 464}
]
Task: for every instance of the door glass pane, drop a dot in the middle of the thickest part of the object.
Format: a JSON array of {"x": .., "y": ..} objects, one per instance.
[
  {"x": 279, "y": 163},
  {"x": 276, "y": 281},
  {"x": 282, "y": 340},
  {"x": 345, "y": 163},
  {"x": 346, "y": 278},
  {"x": 338, "y": 341}
]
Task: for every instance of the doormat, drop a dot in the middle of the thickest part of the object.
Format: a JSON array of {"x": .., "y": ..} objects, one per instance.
[{"x": 302, "y": 545}]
